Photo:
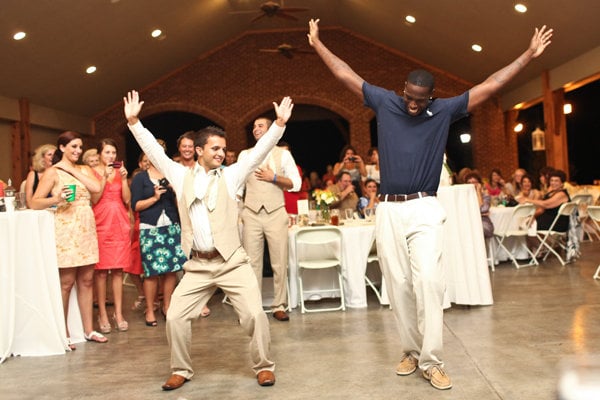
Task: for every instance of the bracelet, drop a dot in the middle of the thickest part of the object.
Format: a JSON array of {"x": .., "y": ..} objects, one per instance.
[{"x": 274, "y": 178}]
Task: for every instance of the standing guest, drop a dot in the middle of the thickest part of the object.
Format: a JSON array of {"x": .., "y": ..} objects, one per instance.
[
  {"x": 41, "y": 160},
  {"x": 265, "y": 217},
  {"x": 209, "y": 211},
  {"x": 528, "y": 192},
  {"x": 352, "y": 163},
  {"x": 160, "y": 236},
  {"x": 495, "y": 186},
  {"x": 484, "y": 200},
  {"x": 345, "y": 192},
  {"x": 91, "y": 157},
  {"x": 75, "y": 227},
  {"x": 185, "y": 148},
  {"x": 372, "y": 166},
  {"x": 114, "y": 233},
  {"x": 412, "y": 133},
  {"x": 369, "y": 200},
  {"x": 135, "y": 269},
  {"x": 230, "y": 157}
]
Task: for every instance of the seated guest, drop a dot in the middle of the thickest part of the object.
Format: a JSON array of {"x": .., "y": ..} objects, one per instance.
[
  {"x": 314, "y": 181},
  {"x": 344, "y": 190},
  {"x": 484, "y": 203},
  {"x": 548, "y": 206},
  {"x": 328, "y": 177},
  {"x": 460, "y": 177},
  {"x": 513, "y": 188},
  {"x": 369, "y": 200},
  {"x": 527, "y": 190},
  {"x": 496, "y": 184},
  {"x": 543, "y": 177},
  {"x": 373, "y": 165}
]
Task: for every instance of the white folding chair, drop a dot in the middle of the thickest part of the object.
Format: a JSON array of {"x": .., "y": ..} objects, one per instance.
[
  {"x": 594, "y": 214},
  {"x": 319, "y": 239},
  {"x": 519, "y": 224},
  {"x": 549, "y": 237},
  {"x": 372, "y": 258},
  {"x": 584, "y": 200}
]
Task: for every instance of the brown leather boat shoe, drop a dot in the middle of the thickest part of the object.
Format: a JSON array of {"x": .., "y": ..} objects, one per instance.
[
  {"x": 174, "y": 382},
  {"x": 281, "y": 316},
  {"x": 266, "y": 378}
]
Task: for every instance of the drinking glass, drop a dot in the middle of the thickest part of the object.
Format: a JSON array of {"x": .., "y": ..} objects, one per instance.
[
  {"x": 349, "y": 213},
  {"x": 335, "y": 216},
  {"x": 369, "y": 214},
  {"x": 21, "y": 201}
]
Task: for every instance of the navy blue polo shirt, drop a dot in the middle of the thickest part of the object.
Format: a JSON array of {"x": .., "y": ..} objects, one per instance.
[{"x": 411, "y": 148}]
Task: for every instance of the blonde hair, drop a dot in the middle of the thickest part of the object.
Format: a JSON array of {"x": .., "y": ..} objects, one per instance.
[
  {"x": 37, "y": 161},
  {"x": 87, "y": 154}
]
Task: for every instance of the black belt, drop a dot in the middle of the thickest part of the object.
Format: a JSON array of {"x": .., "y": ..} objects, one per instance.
[
  {"x": 405, "y": 197},
  {"x": 206, "y": 255}
]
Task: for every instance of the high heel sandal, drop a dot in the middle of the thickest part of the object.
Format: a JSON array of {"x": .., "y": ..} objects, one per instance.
[
  {"x": 121, "y": 326},
  {"x": 151, "y": 323},
  {"x": 104, "y": 328},
  {"x": 70, "y": 345},
  {"x": 139, "y": 304}
]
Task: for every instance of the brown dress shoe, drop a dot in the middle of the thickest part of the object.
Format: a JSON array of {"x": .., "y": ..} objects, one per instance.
[
  {"x": 266, "y": 378},
  {"x": 281, "y": 316},
  {"x": 174, "y": 382}
]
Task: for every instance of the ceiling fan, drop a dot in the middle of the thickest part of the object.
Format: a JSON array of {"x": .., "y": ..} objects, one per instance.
[
  {"x": 273, "y": 9},
  {"x": 287, "y": 50}
]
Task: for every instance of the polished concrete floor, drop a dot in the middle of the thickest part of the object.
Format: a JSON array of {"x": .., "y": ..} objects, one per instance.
[{"x": 541, "y": 317}]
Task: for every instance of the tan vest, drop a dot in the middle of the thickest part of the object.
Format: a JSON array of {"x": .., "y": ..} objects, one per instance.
[
  {"x": 223, "y": 219},
  {"x": 265, "y": 194}
]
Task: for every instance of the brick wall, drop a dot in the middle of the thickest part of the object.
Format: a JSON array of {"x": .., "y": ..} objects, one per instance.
[{"x": 236, "y": 82}]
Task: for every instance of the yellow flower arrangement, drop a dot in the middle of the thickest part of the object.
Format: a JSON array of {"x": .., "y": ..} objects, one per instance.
[{"x": 323, "y": 197}]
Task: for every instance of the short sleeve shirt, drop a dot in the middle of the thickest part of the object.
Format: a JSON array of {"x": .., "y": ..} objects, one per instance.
[{"x": 411, "y": 148}]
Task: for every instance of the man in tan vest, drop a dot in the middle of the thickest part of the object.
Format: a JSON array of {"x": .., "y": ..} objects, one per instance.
[
  {"x": 265, "y": 217},
  {"x": 208, "y": 210}
]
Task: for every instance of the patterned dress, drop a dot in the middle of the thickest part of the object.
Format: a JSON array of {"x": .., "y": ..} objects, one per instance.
[
  {"x": 112, "y": 226},
  {"x": 75, "y": 227}
]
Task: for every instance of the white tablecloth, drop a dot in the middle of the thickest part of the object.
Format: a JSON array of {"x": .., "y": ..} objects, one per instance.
[
  {"x": 31, "y": 311},
  {"x": 501, "y": 218},
  {"x": 464, "y": 256}
]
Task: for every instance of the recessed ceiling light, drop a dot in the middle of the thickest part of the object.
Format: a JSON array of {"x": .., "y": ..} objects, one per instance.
[
  {"x": 91, "y": 69},
  {"x": 520, "y": 7},
  {"x": 156, "y": 33},
  {"x": 476, "y": 48},
  {"x": 19, "y": 35},
  {"x": 410, "y": 19}
]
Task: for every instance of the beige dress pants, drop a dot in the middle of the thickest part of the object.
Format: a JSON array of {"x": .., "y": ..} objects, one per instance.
[
  {"x": 409, "y": 247},
  {"x": 273, "y": 228},
  {"x": 202, "y": 277}
]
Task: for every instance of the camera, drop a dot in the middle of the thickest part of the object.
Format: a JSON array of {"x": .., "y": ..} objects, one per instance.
[
  {"x": 164, "y": 183},
  {"x": 352, "y": 159}
]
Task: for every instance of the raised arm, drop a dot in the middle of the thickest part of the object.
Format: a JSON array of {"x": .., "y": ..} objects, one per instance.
[
  {"x": 339, "y": 68},
  {"x": 483, "y": 91}
]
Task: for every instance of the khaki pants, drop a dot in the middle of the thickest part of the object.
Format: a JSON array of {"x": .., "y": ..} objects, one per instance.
[
  {"x": 409, "y": 247},
  {"x": 236, "y": 278},
  {"x": 273, "y": 228}
]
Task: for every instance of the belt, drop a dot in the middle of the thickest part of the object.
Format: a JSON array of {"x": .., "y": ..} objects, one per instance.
[
  {"x": 206, "y": 255},
  {"x": 405, "y": 197}
]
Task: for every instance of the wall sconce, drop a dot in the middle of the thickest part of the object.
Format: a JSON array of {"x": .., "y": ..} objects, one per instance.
[
  {"x": 538, "y": 140},
  {"x": 567, "y": 108},
  {"x": 465, "y": 137},
  {"x": 518, "y": 127}
]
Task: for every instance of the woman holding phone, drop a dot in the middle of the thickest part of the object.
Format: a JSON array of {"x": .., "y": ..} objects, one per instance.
[{"x": 114, "y": 233}]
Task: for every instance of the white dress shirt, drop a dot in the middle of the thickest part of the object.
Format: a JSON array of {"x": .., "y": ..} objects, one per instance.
[{"x": 288, "y": 166}]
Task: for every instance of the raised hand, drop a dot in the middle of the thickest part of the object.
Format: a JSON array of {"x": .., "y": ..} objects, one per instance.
[
  {"x": 283, "y": 110},
  {"x": 132, "y": 106},
  {"x": 539, "y": 41},
  {"x": 313, "y": 31}
]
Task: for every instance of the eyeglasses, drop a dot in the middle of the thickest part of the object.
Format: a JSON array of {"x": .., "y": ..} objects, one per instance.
[{"x": 418, "y": 100}]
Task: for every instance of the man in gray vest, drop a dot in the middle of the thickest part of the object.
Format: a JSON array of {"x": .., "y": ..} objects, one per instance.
[
  {"x": 265, "y": 216},
  {"x": 208, "y": 210}
]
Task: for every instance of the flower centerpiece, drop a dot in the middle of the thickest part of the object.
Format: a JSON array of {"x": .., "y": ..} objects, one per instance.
[{"x": 323, "y": 198}]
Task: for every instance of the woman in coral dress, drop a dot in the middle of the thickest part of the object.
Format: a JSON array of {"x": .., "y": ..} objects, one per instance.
[
  {"x": 114, "y": 233},
  {"x": 75, "y": 227}
]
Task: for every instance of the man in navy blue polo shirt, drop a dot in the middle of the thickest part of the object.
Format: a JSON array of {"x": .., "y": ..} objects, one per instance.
[{"x": 412, "y": 130}]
